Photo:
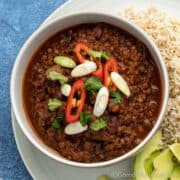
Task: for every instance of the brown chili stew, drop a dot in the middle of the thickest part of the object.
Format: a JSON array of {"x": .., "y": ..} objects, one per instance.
[{"x": 128, "y": 121}]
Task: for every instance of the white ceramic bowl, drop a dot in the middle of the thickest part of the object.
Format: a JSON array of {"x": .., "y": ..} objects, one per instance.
[{"x": 42, "y": 34}]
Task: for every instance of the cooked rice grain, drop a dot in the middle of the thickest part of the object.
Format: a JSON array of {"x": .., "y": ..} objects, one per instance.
[{"x": 165, "y": 32}]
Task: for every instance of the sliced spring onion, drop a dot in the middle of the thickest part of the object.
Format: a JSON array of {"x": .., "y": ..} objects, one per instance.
[
  {"x": 84, "y": 69},
  {"x": 55, "y": 76},
  {"x": 75, "y": 128},
  {"x": 99, "y": 54},
  {"x": 65, "y": 61},
  {"x": 65, "y": 89},
  {"x": 120, "y": 83},
  {"x": 101, "y": 101},
  {"x": 54, "y": 103}
]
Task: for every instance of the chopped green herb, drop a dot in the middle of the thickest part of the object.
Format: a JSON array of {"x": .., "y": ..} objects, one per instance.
[
  {"x": 99, "y": 54},
  {"x": 57, "y": 122},
  {"x": 105, "y": 55},
  {"x": 93, "y": 84},
  {"x": 53, "y": 104},
  {"x": 95, "y": 54},
  {"x": 116, "y": 97},
  {"x": 99, "y": 124},
  {"x": 55, "y": 76},
  {"x": 85, "y": 118},
  {"x": 65, "y": 61}
]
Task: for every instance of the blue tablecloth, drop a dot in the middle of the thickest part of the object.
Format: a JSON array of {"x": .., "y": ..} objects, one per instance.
[{"x": 18, "y": 19}]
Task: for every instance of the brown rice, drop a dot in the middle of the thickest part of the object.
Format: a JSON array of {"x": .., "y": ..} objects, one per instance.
[{"x": 165, "y": 32}]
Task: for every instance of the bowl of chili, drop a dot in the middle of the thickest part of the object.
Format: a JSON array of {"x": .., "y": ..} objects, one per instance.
[{"x": 105, "y": 72}]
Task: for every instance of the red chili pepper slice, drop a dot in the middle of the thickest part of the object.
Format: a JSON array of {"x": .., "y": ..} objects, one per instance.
[
  {"x": 77, "y": 86},
  {"x": 99, "y": 72},
  {"x": 111, "y": 65},
  {"x": 82, "y": 47},
  {"x": 78, "y": 48}
]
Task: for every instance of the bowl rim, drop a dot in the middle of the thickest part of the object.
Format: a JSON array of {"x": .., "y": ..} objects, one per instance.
[{"x": 132, "y": 152}]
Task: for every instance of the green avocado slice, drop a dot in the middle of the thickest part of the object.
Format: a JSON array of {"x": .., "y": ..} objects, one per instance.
[
  {"x": 148, "y": 164},
  {"x": 163, "y": 165},
  {"x": 175, "y": 174},
  {"x": 175, "y": 148},
  {"x": 139, "y": 169}
]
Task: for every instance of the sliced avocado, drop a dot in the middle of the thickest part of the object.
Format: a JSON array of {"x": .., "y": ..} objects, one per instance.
[
  {"x": 148, "y": 163},
  {"x": 175, "y": 174},
  {"x": 153, "y": 145},
  {"x": 175, "y": 148},
  {"x": 163, "y": 166},
  {"x": 103, "y": 177}
]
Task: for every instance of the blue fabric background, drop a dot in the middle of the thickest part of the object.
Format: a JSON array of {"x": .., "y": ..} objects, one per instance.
[{"x": 18, "y": 19}]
